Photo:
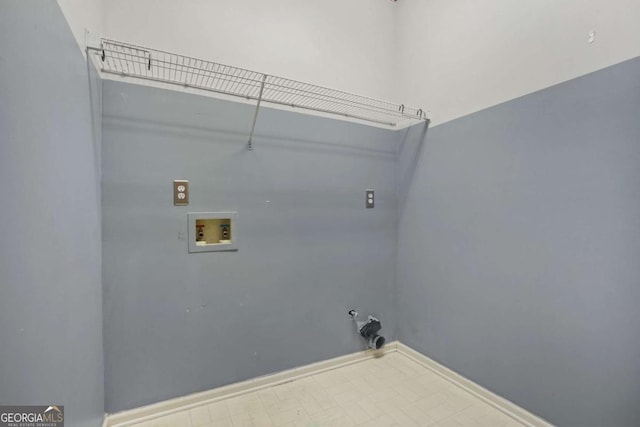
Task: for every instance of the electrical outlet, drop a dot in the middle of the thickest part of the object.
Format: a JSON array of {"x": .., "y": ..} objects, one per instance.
[
  {"x": 180, "y": 192},
  {"x": 370, "y": 200}
]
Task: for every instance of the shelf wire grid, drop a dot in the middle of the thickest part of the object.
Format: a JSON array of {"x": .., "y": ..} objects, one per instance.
[{"x": 152, "y": 64}]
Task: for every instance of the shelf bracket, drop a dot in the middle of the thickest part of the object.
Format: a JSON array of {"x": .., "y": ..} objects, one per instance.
[{"x": 255, "y": 115}]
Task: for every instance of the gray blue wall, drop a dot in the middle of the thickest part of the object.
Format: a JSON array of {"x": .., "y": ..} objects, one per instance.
[
  {"x": 519, "y": 249},
  {"x": 177, "y": 323},
  {"x": 50, "y": 292}
]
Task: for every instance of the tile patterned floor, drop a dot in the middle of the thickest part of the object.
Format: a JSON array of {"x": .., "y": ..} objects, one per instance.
[{"x": 389, "y": 391}]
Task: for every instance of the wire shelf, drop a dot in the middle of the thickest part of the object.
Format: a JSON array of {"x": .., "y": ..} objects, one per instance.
[{"x": 151, "y": 64}]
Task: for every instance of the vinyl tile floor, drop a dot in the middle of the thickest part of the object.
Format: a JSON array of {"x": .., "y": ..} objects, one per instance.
[{"x": 392, "y": 390}]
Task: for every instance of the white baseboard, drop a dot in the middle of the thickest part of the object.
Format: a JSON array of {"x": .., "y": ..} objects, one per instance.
[
  {"x": 503, "y": 405},
  {"x": 167, "y": 407}
]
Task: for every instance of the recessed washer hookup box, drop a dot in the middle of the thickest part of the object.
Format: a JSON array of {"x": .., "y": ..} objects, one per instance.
[{"x": 213, "y": 231}]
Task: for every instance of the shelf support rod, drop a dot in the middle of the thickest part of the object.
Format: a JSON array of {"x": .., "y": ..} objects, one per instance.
[{"x": 255, "y": 115}]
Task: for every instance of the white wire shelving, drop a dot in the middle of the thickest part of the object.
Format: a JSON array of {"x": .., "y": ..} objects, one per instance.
[{"x": 126, "y": 59}]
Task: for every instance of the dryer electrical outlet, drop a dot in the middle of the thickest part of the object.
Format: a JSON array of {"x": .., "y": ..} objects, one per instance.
[{"x": 213, "y": 231}]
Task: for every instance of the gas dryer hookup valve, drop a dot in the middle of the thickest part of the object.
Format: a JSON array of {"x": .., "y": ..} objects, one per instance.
[{"x": 369, "y": 330}]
